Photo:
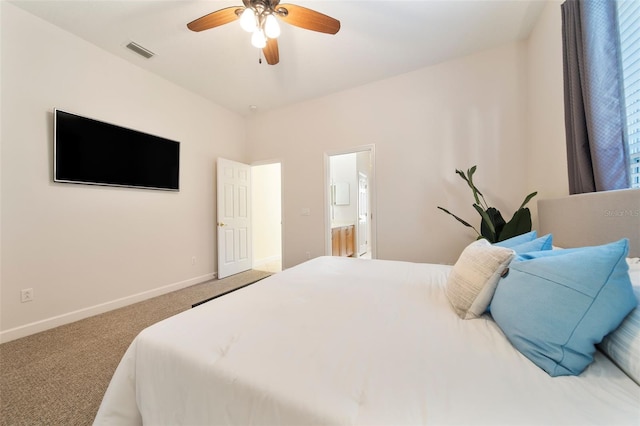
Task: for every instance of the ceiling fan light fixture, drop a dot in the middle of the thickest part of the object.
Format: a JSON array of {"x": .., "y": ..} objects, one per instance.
[
  {"x": 248, "y": 20},
  {"x": 271, "y": 27},
  {"x": 258, "y": 39},
  {"x": 259, "y": 18}
]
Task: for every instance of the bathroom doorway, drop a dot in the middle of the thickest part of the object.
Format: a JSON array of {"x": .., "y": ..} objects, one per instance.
[{"x": 349, "y": 200}]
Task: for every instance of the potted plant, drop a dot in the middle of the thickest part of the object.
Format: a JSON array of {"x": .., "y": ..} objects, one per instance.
[{"x": 492, "y": 226}]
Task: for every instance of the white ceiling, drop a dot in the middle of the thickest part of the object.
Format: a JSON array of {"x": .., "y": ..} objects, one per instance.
[{"x": 378, "y": 39}]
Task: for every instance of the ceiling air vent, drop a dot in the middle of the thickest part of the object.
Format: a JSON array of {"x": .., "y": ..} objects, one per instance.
[{"x": 140, "y": 50}]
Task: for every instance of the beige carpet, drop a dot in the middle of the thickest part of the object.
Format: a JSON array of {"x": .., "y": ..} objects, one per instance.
[{"x": 59, "y": 376}]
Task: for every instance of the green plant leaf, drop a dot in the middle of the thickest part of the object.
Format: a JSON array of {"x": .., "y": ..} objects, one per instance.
[
  {"x": 462, "y": 175},
  {"x": 519, "y": 224},
  {"x": 497, "y": 220},
  {"x": 487, "y": 229},
  {"x": 475, "y": 190},
  {"x": 526, "y": 200},
  {"x": 492, "y": 224},
  {"x": 462, "y": 221}
]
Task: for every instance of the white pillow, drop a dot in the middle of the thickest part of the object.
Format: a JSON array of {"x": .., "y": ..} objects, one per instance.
[
  {"x": 474, "y": 277},
  {"x": 623, "y": 345}
]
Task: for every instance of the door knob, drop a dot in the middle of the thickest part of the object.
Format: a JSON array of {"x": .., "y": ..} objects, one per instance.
[{"x": 221, "y": 224}]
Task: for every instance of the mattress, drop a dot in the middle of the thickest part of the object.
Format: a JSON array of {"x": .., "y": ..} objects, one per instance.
[{"x": 349, "y": 341}]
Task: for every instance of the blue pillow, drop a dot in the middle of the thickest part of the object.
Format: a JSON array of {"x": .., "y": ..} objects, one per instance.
[
  {"x": 554, "y": 306},
  {"x": 539, "y": 244},
  {"x": 517, "y": 240}
]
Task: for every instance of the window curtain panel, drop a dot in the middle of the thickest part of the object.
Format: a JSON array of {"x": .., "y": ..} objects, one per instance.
[{"x": 597, "y": 152}]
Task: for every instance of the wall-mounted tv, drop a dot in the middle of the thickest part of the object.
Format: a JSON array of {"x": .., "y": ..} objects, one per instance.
[{"x": 94, "y": 152}]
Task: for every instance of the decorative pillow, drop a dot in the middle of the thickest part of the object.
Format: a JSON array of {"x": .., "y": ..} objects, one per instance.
[
  {"x": 634, "y": 270},
  {"x": 623, "y": 345},
  {"x": 556, "y": 305},
  {"x": 539, "y": 244},
  {"x": 517, "y": 240},
  {"x": 631, "y": 261},
  {"x": 474, "y": 277}
]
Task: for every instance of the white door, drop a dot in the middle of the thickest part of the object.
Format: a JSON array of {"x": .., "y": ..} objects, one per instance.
[
  {"x": 363, "y": 214},
  {"x": 234, "y": 217}
]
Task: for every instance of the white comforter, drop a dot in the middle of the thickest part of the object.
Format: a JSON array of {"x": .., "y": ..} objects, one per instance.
[{"x": 348, "y": 341}]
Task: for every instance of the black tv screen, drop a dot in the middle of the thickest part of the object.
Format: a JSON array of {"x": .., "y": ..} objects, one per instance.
[{"x": 93, "y": 152}]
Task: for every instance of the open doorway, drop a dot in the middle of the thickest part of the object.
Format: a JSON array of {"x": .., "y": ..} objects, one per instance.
[
  {"x": 266, "y": 199},
  {"x": 349, "y": 200}
]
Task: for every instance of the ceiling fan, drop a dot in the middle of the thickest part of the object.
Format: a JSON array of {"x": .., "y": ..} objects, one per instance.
[{"x": 259, "y": 18}]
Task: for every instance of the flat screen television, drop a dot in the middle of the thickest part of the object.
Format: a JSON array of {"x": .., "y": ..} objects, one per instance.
[{"x": 93, "y": 152}]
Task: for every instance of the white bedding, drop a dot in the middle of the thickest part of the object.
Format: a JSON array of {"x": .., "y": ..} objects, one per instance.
[{"x": 349, "y": 341}]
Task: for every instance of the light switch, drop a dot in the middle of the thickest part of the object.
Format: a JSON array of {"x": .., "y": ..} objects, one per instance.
[{"x": 306, "y": 211}]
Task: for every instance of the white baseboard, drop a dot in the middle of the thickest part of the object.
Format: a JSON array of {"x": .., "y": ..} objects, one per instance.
[{"x": 49, "y": 323}]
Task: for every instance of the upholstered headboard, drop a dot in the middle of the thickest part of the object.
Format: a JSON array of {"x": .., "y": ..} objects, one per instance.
[{"x": 592, "y": 219}]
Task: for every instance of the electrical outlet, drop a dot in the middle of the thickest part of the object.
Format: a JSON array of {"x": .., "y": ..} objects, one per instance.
[
  {"x": 26, "y": 295},
  {"x": 308, "y": 255},
  {"x": 193, "y": 260}
]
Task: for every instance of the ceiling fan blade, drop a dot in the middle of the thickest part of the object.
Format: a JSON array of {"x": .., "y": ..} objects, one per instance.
[
  {"x": 307, "y": 18},
  {"x": 270, "y": 51},
  {"x": 215, "y": 19}
]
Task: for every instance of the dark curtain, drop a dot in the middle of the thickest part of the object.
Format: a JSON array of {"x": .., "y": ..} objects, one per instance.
[{"x": 597, "y": 151}]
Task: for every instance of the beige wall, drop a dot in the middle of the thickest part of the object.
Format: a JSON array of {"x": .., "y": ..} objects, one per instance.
[
  {"x": 85, "y": 249},
  {"x": 424, "y": 125},
  {"x": 546, "y": 150}
]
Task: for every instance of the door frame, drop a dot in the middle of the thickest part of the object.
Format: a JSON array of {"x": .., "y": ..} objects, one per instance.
[
  {"x": 372, "y": 196},
  {"x": 367, "y": 214}
]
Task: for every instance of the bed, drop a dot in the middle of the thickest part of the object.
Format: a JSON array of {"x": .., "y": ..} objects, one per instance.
[{"x": 353, "y": 341}]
